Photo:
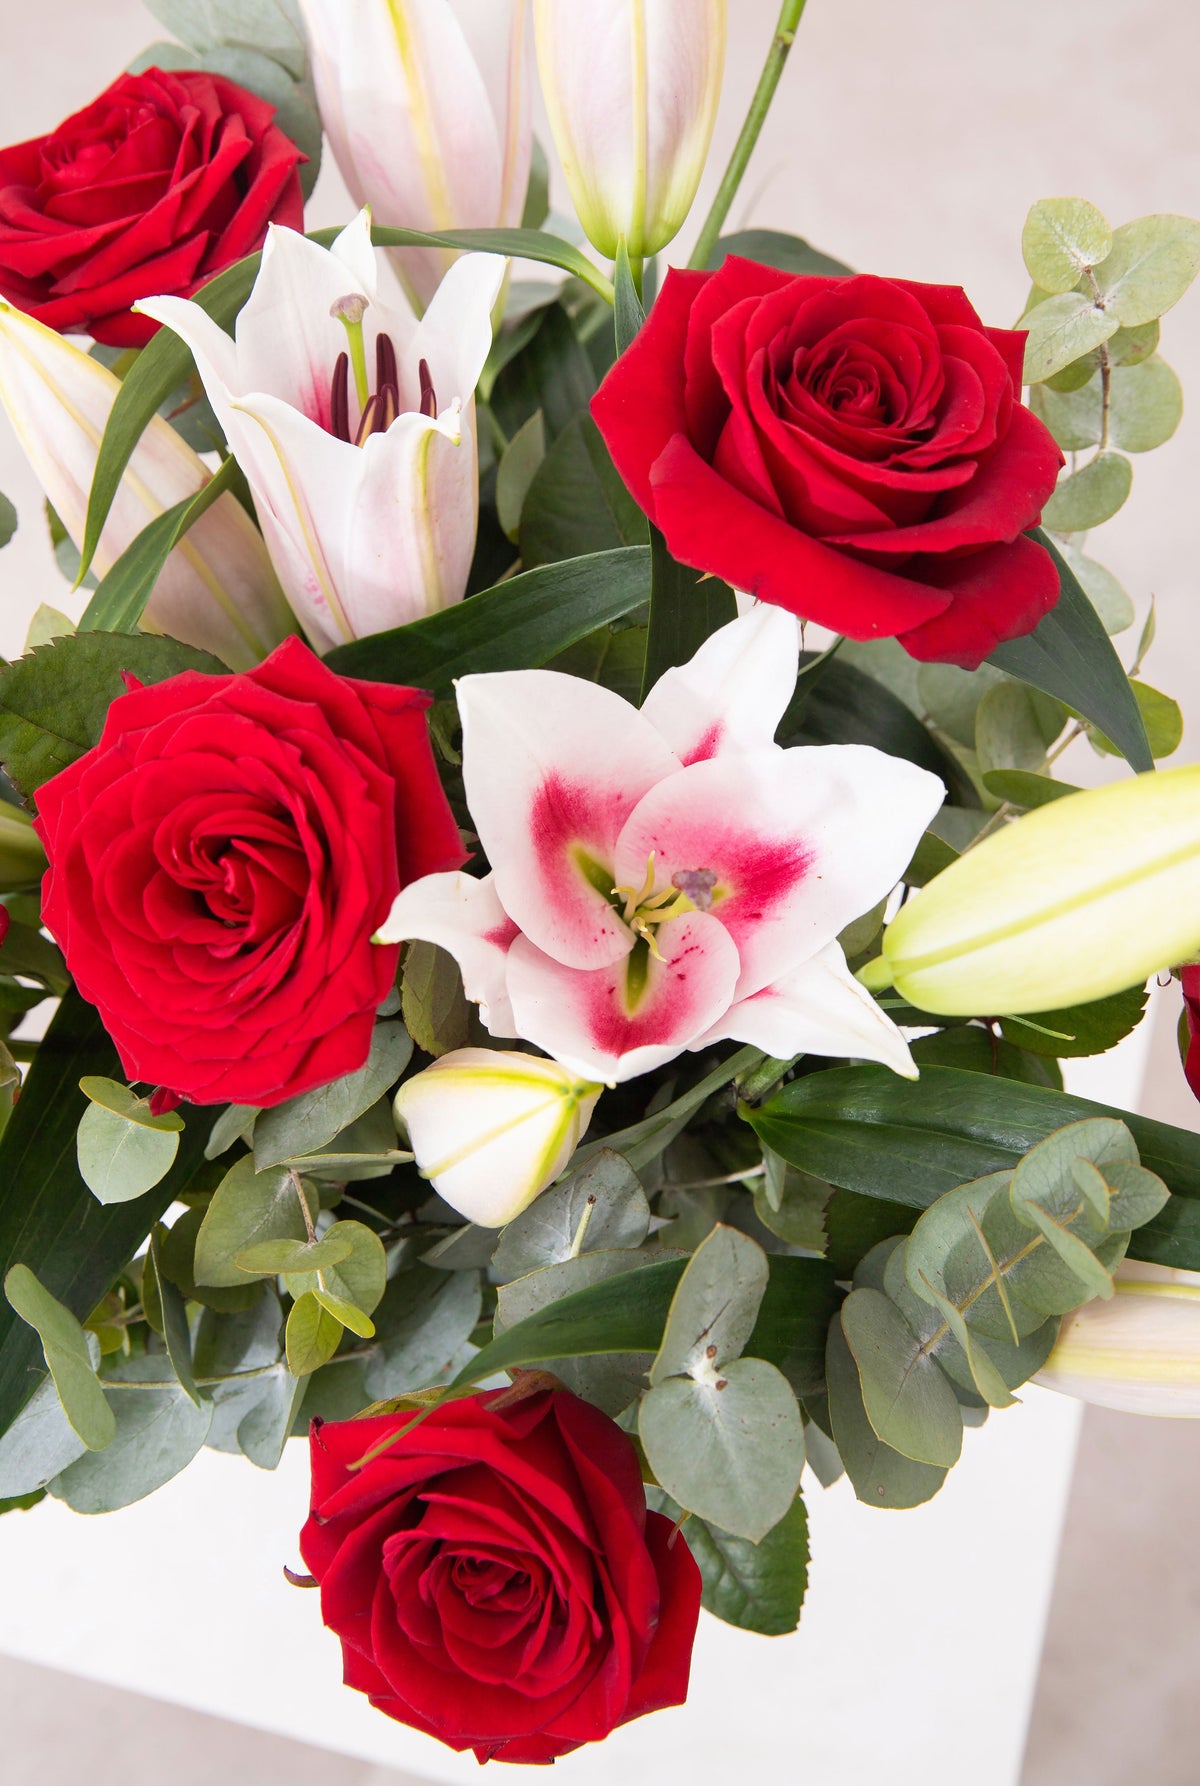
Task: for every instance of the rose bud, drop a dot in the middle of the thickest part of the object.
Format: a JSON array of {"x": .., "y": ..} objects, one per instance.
[
  {"x": 217, "y": 589},
  {"x": 354, "y": 424},
  {"x": 631, "y": 94},
  {"x": 427, "y": 107},
  {"x": 1078, "y": 899},
  {"x": 22, "y": 858},
  {"x": 494, "y": 1575},
  {"x": 1138, "y": 1351},
  {"x": 166, "y": 178},
  {"x": 491, "y": 1130},
  {"x": 220, "y": 860}
]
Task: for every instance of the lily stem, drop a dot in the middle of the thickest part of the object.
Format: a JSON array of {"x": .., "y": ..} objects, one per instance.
[{"x": 777, "y": 55}]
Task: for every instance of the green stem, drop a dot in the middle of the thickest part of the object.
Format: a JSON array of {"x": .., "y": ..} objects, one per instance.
[{"x": 777, "y": 55}]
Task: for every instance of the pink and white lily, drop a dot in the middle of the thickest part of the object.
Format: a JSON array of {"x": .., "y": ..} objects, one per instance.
[
  {"x": 354, "y": 424},
  {"x": 427, "y": 105},
  {"x": 668, "y": 878}
]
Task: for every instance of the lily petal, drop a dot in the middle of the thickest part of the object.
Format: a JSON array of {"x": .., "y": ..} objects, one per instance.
[
  {"x": 553, "y": 766},
  {"x": 734, "y": 692},
  {"x": 464, "y": 917},
  {"x": 818, "y": 1008},
  {"x": 801, "y": 842},
  {"x": 630, "y": 1016},
  {"x": 454, "y": 336}
]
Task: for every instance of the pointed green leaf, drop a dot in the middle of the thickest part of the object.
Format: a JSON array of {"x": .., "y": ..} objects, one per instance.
[
  {"x": 305, "y": 1124},
  {"x": 68, "y": 1357}
]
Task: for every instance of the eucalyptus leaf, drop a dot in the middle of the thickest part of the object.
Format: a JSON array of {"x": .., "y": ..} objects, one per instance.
[
  {"x": 112, "y": 1095},
  {"x": 1146, "y": 405},
  {"x": 273, "y": 1258},
  {"x": 39, "y": 1444},
  {"x": 233, "y": 1124},
  {"x": 176, "y": 1333},
  {"x": 1106, "y": 595},
  {"x": 313, "y": 1336},
  {"x": 907, "y": 1398},
  {"x": 421, "y": 1325},
  {"x": 8, "y": 522},
  {"x": 600, "y": 1205},
  {"x": 1089, "y": 496},
  {"x": 305, "y": 1124},
  {"x": 1061, "y": 239},
  {"x": 714, "y": 1309},
  {"x": 433, "y": 1003},
  {"x": 177, "y": 1261},
  {"x": 1161, "y": 716},
  {"x": 731, "y": 1450},
  {"x": 1062, "y": 329},
  {"x": 1152, "y": 263},
  {"x": 247, "y": 1208},
  {"x": 357, "y": 1276},
  {"x": 880, "y": 1476},
  {"x": 159, "y": 1430},
  {"x": 1017, "y": 787},
  {"x": 68, "y": 1355}
]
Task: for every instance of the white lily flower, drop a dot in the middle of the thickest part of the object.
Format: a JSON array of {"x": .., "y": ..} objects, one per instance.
[
  {"x": 354, "y": 424},
  {"x": 1139, "y": 1351},
  {"x": 491, "y": 1130},
  {"x": 668, "y": 877},
  {"x": 1067, "y": 904},
  {"x": 631, "y": 91},
  {"x": 427, "y": 107},
  {"x": 217, "y": 589}
]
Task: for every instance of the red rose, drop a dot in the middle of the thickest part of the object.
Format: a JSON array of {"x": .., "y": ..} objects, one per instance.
[
  {"x": 1190, "y": 977},
  {"x": 495, "y": 1577},
  {"x": 854, "y": 450},
  {"x": 219, "y": 861},
  {"x": 163, "y": 180}
]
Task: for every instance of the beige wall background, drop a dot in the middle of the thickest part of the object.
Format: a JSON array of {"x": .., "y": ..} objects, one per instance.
[{"x": 909, "y": 137}]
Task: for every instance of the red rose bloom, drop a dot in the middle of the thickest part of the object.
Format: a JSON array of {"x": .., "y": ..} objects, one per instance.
[
  {"x": 1191, "y": 1006},
  {"x": 163, "y": 180},
  {"x": 219, "y": 861},
  {"x": 854, "y": 450},
  {"x": 494, "y": 1576}
]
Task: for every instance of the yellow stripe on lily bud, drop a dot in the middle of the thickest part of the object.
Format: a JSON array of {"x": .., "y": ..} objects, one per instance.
[
  {"x": 1139, "y": 1351},
  {"x": 1074, "y": 901}
]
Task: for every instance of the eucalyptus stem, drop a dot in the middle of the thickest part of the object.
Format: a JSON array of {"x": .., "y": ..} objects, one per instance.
[{"x": 777, "y": 55}]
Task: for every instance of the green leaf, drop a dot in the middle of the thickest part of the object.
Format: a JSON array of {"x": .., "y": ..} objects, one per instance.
[
  {"x": 358, "y": 1277},
  {"x": 1070, "y": 656},
  {"x": 247, "y": 1208},
  {"x": 791, "y": 254},
  {"x": 346, "y": 1312},
  {"x": 1091, "y": 495},
  {"x": 304, "y": 1125},
  {"x": 432, "y": 1001},
  {"x": 686, "y": 607},
  {"x": 880, "y": 1476},
  {"x": 39, "y": 1444},
  {"x": 1081, "y": 1030},
  {"x": 550, "y": 373},
  {"x": 121, "y": 596},
  {"x": 731, "y": 1450},
  {"x": 518, "y": 625},
  {"x": 577, "y": 503},
  {"x": 714, "y": 1309},
  {"x": 976, "y": 1050},
  {"x": 119, "y": 1159},
  {"x": 313, "y": 1336},
  {"x": 1146, "y": 405},
  {"x": 629, "y": 312},
  {"x": 950, "y": 696},
  {"x": 1061, "y": 239},
  {"x": 601, "y": 1205},
  {"x": 233, "y": 1124},
  {"x": 268, "y": 26},
  {"x": 1162, "y": 718},
  {"x": 1106, "y": 595},
  {"x": 174, "y": 1319},
  {"x": 1019, "y": 788},
  {"x": 1062, "y": 329},
  {"x": 54, "y": 702},
  {"x": 56, "y": 1227},
  {"x": 1074, "y": 417},
  {"x": 274, "y": 1258},
  {"x": 758, "y": 1587},
  {"x": 863, "y": 1129},
  {"x": 177, "y": 1262},
  {"x": 8, "y": 520},
  {"x": 1014, "y": 726},
  {"x": 118, "y": 1098},
  {"x": 421, "y": 1326},
  {"x": 47, "y": 625},
  {"x": 1152, "y": 263},
  {"x": 1128, "y": 347},
  {"x": 515, "y": 473},
  {"x": 67, "y": 1354},
  {"x": 159, "y": 1430},
  {"x": 907, "y": 1398}
]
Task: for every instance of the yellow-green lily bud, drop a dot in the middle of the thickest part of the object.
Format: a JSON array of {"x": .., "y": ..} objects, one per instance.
[
  {"x": 22, "y": 858},
  {"x": 1138, "y": 1351},
  {"x": 491, "y": 1129},
  {"x": 1074, "y": 901}
]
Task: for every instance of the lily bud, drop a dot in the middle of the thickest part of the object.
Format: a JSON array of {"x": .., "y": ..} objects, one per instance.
[
  {"x": 1138, "y": 1352},
  {"x": 631, "y": 91},
  {"x": 491, "y": 1129},
  {"x": 1074, "y": 901},
  {"x": 217, "y": 589},
  {"x": 22, "y": 858},
  {"x": 427, "y": 105}
]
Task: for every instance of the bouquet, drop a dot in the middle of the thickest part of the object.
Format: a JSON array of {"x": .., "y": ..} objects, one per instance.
[{"x": 539, "y": 913}]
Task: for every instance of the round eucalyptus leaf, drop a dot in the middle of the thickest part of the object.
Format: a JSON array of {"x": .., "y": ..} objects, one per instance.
[
  {"x": 1152, "y": 263},
  {"x": 119, "y": 1159},
  {"x": 1146, "y": 405},
  {"x": 1060, "y": 330},
  {"x": 1091, "y": 495},
  {"x": 1061, "y": 239}
]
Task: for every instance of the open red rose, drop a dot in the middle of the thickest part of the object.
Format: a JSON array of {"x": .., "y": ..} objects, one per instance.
[
  {"x": 854, "y": 450},
  {"x": 1190, "y": 977},
  {"x": 494, "y": 1576},
  {"x": 220, "y": 859},
  {"x": 163, "y": 180}
]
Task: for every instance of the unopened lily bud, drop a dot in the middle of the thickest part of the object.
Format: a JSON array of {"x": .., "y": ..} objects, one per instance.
[
  {"x": 22, "y": 858},
  {"x": 217, "y": 589},
  {"x": 631, "y": 91},
  {"x": 1139, "y": 1351},
  {"x": 1074, "y": 901},
  {"x": 491, "y": 1129}
]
